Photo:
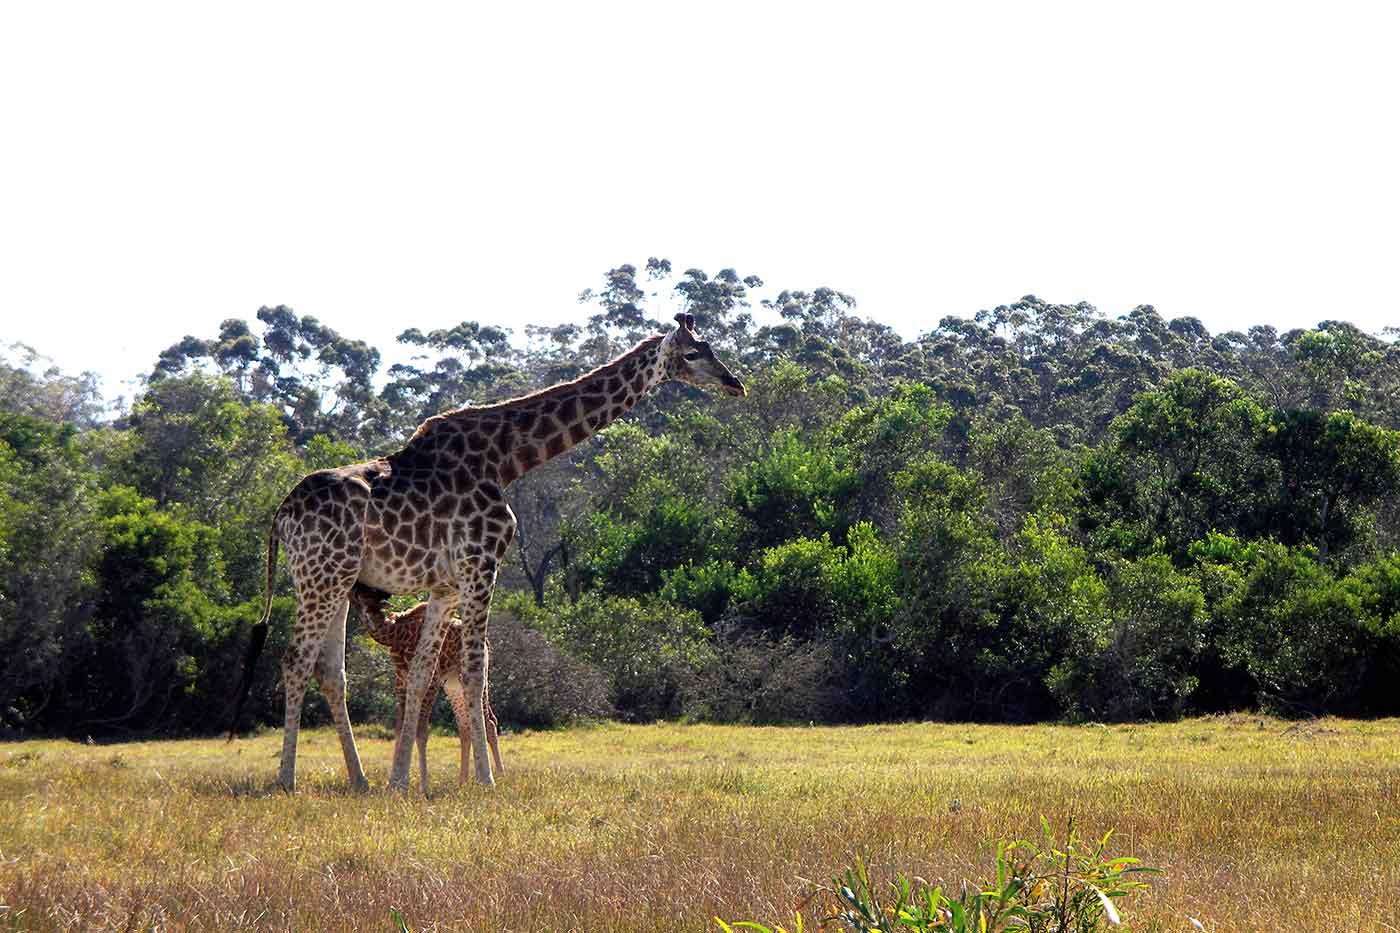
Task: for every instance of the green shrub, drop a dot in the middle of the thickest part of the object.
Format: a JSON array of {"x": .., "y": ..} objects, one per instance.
[
  {"x": 879, "y": 439},
  {"x": 660, "y": 513},
  {"x": 1145, "y": 667},
  {"x": 949, "y": 573},
  {"x": 629, "y": 555},
  {"x": 796, "y": 490},
  {"x": 159, "y": 617},
  {"x": 1181, "y": 461},
  {"x": 50, "y": 541},
  {"x": 1297, "y": 630},
  {"x": 796, "y": 588},
  {"x": 706, "y": 588},
  {"x": 1377, "y": 587},
  {"x": 1054, "y": 609},
  {"x": 1041, "y": 888}
]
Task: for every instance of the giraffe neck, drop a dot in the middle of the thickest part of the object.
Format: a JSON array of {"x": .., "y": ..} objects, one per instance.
[
  {"x": 383, "y": 630},
  {"x": 396, "y": 630},
  {"x": 547, "y": 423}
]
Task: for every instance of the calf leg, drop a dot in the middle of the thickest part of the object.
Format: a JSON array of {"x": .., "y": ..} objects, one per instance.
[
  {"x": 460, "y": 711},
  {"x": 492, "y": 732}
]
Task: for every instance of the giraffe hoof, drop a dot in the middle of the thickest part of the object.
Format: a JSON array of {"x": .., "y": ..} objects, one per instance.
[{"x": 361, "y": 786}]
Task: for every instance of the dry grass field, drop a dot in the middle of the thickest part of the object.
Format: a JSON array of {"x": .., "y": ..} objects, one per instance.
[{"x": 1257, "y": 824}]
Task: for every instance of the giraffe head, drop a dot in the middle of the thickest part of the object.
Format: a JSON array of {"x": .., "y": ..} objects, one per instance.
[
  {"x": 690, "y": 359},
  {"x": 373, "y": 603}
]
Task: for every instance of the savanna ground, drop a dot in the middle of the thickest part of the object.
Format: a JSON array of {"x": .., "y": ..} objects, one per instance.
[{"x": 1258, "y": 824}]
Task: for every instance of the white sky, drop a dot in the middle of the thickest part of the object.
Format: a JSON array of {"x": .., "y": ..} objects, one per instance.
[{"x": 378, "y": 166}]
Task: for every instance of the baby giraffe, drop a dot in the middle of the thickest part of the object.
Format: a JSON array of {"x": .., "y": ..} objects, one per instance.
[{"x": 398, "y": 631}]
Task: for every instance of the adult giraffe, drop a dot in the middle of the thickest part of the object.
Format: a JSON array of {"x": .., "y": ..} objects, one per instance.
[{"x": 433, "y": 517}]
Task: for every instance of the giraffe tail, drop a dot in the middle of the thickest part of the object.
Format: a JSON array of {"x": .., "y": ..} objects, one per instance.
[{"x": 258, "y": 637}]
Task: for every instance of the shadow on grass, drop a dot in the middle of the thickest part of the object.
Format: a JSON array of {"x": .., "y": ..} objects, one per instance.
[
  {"x": 250, "y": 786},
  {"x": 242, "y": 786},
  {"x": 254, "y": 786}
]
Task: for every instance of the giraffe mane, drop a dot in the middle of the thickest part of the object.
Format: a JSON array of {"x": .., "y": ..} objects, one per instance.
[{"x": 538, "y": 395}]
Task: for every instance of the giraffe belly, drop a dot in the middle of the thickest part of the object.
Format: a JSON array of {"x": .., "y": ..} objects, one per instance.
[{"x": 386, "y": 571}]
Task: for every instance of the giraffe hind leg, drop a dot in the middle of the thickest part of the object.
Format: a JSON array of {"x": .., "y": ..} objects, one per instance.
[
  {"x": 296, "y": 675},
  {"x": 321, "y": 527},
  {"x": 308, "y": 652},
  {"x": 330, "y": 673}
]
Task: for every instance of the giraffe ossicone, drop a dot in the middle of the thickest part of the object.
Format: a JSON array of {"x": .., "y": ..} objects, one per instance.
[{"x": 433, "y": 517}]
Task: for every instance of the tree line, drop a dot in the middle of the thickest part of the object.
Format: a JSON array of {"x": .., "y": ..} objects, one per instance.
[{"x": 1036, "y": 512}]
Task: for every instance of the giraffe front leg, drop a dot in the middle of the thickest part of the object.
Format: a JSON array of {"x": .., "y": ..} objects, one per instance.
[
  {"x": 474, "y": 682},
  {"x": 420, "y": 677},
  {"x": 425, "y": 717},
  {"x": 476, "y": 580},
  {"x": 400, "y": 693}
]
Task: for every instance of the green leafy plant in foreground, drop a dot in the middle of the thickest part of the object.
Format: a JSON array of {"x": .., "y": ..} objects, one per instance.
[{"x": 1045, "y": 888}]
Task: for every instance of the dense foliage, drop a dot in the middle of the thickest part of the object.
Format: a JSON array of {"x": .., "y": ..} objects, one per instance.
[{"x": 1037, "y": 512}]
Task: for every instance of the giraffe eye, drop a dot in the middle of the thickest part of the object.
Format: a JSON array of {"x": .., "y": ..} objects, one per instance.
[{"x": 692, "y": 356}]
